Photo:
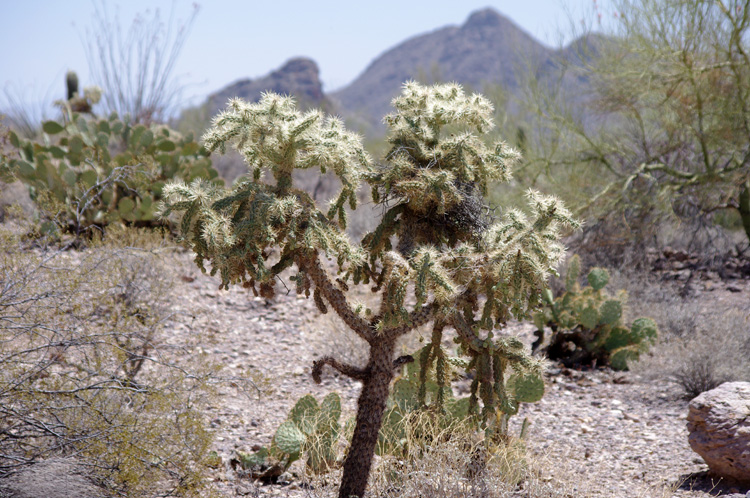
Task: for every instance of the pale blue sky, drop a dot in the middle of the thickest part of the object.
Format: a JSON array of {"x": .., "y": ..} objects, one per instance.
[{"x": 233, "y": 39}]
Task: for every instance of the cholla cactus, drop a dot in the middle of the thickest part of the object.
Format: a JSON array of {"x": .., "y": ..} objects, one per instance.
[{"x": 452, "y": 266}]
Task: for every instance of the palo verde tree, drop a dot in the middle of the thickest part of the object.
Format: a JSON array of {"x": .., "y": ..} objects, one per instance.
[
  {"x": 665, "y": 125},
  {"x": 451, "y": 264}
]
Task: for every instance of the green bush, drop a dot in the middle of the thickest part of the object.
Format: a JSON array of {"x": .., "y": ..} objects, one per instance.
[
  {"x": 91, "y": 172},
  {"x": 587, "y": 324}
]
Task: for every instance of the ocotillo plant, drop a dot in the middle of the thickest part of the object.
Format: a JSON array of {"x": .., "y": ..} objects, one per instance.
[{"x": 452, "y": 265}]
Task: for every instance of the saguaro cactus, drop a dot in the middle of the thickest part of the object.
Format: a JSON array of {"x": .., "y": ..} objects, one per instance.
[{"x": 452, "y": 264}]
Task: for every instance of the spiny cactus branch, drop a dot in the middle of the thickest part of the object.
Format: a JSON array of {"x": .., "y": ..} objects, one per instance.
[
  {"x": 463, "y": 329},
  {"x": 416, "y": 319},
  {"x": 311, "y": 265}
]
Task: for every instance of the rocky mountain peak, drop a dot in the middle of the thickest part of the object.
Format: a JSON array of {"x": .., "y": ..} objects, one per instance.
[{"x": 299, "y": 77}]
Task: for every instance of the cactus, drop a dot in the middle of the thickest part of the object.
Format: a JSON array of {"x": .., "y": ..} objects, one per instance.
[
  {"x": 587, "y": 326},
  {"x": 436, "y": 257},
  {"x": 310, "y": 427},
  {"x": 92, "y": 172}
]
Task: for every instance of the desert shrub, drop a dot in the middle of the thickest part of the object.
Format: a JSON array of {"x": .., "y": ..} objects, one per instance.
[
  {"x": 86, "y": 371},
  {"x": 587, "y": 324},
  {"x": 451, "y": 265},
  {"x": 135, "y": 66},
  {"x": 90, "y": 172}
]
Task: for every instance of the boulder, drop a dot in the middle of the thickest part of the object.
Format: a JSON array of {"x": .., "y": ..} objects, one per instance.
[{"x": 719, "y": 427}]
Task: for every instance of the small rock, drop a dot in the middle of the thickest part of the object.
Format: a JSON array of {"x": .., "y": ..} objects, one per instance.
[
  {"x": 629, "y": 416},
  {"x": 719, "y": 427},
  {"x": 52, "y": 478},
  {"x": 617, "y": 413}
]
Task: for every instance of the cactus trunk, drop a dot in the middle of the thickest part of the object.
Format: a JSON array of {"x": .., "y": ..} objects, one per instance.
[{"x": 370, "y": 409}]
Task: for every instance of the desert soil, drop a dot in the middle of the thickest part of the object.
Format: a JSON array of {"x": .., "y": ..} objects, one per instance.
[{"x": 606, "y": 434}]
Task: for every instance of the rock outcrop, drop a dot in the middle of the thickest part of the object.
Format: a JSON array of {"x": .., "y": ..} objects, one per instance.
[
  {"x": 719, "y": 426},
  {"x": 298, "y": 77}
]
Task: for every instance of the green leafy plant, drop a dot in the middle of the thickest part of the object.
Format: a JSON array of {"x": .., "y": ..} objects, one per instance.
[
  {"x": 310, "y": 428},
  {"x": 451, "y": 265},
  {"x": 92, "y": 172},
  {"x": 587, "y": 325}
]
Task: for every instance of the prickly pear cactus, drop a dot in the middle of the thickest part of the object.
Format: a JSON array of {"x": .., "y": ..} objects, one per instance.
[
  {"x": 92, "y": 172},
  {"x": 587, "y": 326},
  {"x": 310, "y": 428}
]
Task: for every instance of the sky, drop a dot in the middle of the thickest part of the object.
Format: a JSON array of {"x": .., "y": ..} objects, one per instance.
[{"x": 234, "y": 39}]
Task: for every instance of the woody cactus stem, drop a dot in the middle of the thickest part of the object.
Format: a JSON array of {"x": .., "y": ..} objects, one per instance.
[
  {"x": 370, "y": 408},
  {"x": 375, "y": 377}
]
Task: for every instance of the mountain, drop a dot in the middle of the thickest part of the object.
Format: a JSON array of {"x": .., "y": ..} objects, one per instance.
[
  {"x": 299, "y": 77},
  {"x": 487, "y": 49}
]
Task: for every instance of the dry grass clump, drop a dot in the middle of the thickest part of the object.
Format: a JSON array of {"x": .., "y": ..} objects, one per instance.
[
  {"x": 700, "y": 349},
  {"x": 457, "y": 462},
  {"x": 87, "y": 371}
]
